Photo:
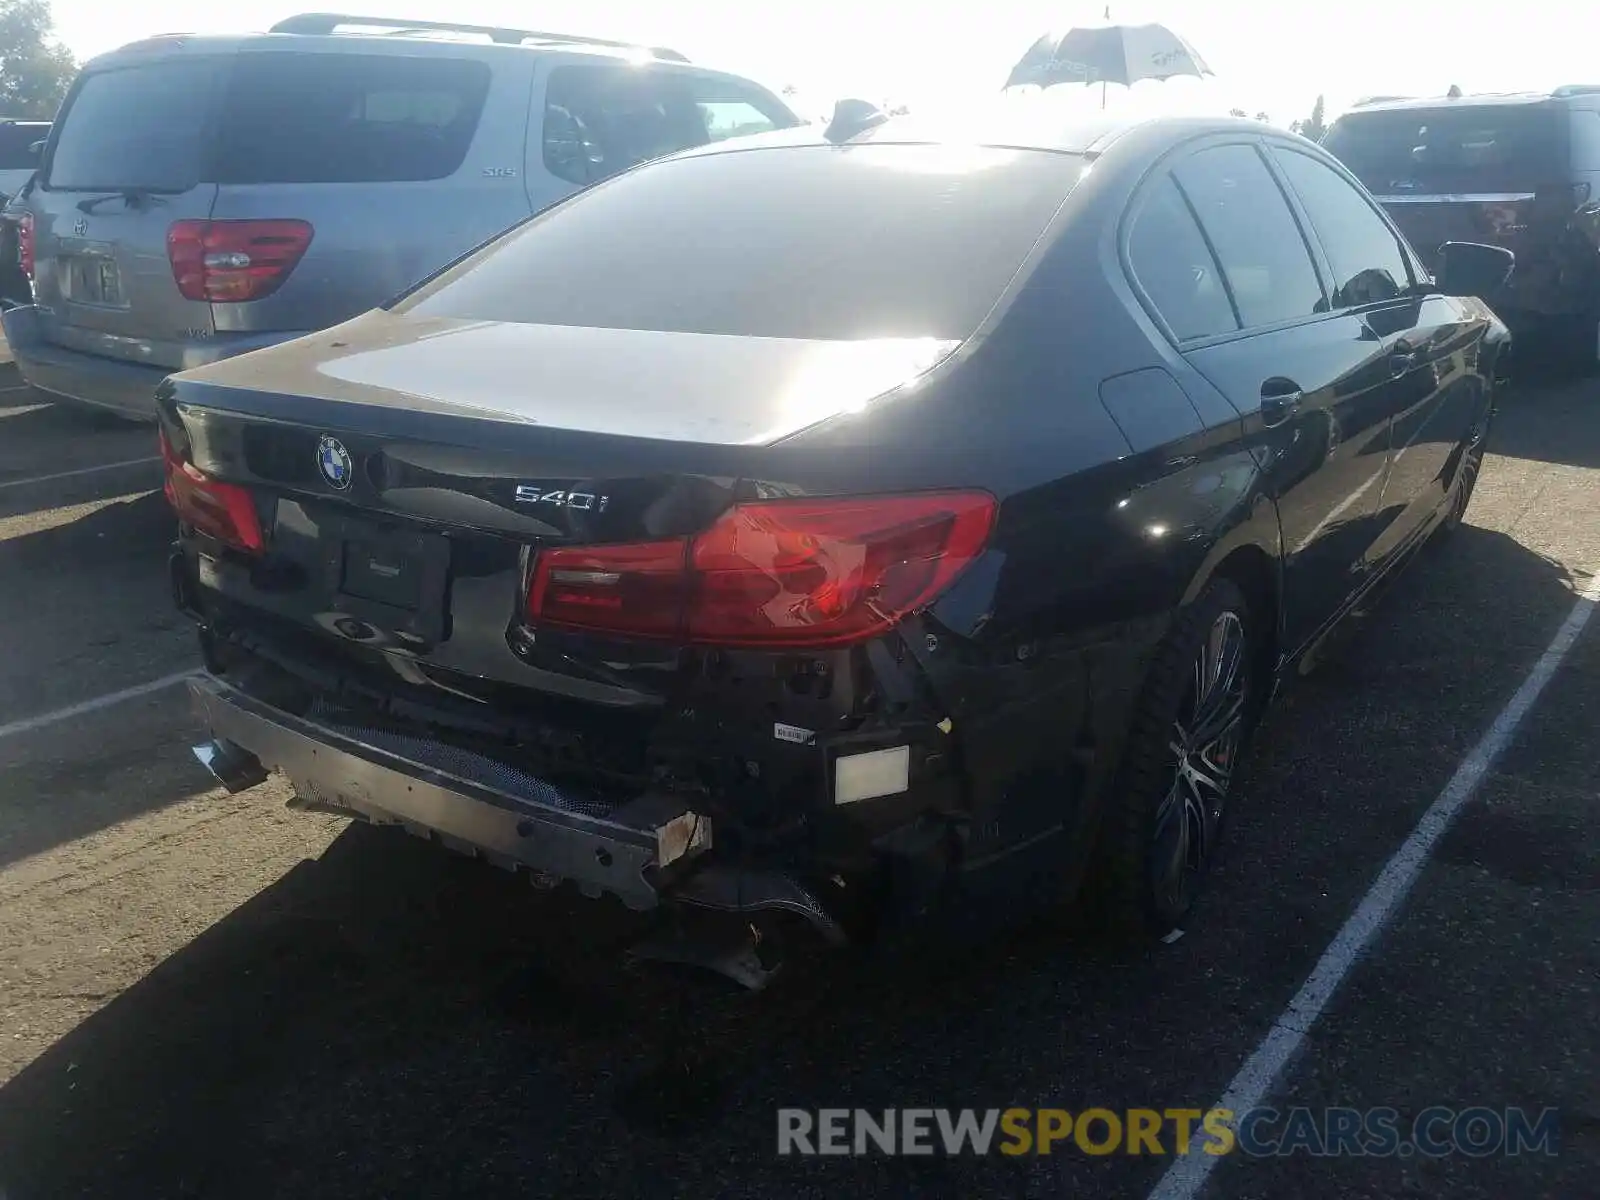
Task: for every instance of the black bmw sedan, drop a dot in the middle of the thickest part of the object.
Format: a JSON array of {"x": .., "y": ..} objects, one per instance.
[{"x": 835, "y": 526}]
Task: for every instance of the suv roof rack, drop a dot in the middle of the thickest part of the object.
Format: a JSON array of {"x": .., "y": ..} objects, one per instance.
[
  {"x": 1366, "y": 100},
  {"x": 327, "y": 23}
]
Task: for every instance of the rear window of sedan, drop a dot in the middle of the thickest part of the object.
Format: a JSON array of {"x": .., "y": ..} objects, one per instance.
[{"x": 793, "y": 242}]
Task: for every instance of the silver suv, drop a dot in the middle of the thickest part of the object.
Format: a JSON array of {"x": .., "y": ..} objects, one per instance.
[{"x": 200, "y": 197}]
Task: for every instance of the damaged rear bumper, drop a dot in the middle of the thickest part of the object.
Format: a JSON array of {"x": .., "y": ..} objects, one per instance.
[{"x": 645, "y": 852}]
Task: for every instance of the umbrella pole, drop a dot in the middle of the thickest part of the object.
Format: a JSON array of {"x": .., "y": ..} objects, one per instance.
[{"x": 1103, "y": 82}]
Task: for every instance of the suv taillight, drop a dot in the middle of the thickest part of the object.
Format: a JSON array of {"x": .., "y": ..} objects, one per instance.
[
  {"x": 25, "y": 244},
  {"x": 785, "y": 574},
  {"x": 224, "y": 511},
  {"x": 231, "y": 261}
]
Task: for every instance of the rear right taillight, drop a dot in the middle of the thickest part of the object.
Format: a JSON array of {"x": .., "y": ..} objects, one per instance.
[
  {"x": 224, "y": 511},
  {"x": 25, "y": 244},
  {"x": 228, "y": 262},
  {"x": 784, "y": 574}
]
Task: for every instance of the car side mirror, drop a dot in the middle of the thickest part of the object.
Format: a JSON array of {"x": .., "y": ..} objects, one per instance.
[{"x": 1473, "y": 269}]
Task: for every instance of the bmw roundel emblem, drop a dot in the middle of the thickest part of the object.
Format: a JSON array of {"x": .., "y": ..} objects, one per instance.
[{"x": 333, "y": 460}]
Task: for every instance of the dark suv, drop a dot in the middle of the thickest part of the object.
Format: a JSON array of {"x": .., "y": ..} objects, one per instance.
[{"x": 1521, "y": 171}]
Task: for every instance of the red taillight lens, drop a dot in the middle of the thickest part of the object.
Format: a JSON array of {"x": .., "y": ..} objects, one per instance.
[
  {"x": 225, "y": 511},
  {"x": 231, "y": 261},
  {"x": 637, "y": 588},
  {"x": 25, "y": 244},
  {"x": 787, "y": 573}
]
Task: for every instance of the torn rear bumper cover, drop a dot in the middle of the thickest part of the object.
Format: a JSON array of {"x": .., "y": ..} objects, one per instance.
[{"x": 515, "y": 821}]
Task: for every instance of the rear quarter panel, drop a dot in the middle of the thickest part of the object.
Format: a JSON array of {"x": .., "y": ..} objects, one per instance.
[{"x": 1123, "y": 482}]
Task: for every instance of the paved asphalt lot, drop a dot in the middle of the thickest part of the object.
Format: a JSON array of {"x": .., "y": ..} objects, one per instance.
[{"x": 204, "y": 995}]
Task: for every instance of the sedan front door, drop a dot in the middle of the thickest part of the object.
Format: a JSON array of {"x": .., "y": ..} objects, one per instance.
[{"x": 1427, "y": 344}]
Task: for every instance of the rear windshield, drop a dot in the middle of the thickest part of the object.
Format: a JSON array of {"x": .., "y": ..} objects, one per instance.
[
  {"x": 14, "y": 143},
  {"x": 1473, "y": 148},
  {"x": 135, "y": 127},
  {"x": 799, "y": 242},
  {"x": 347, "y": 118},
  {"x": 281, "y": 118}
]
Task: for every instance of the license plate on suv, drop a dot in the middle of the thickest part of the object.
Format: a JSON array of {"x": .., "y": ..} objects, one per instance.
[{"x": 94, "y": 279}]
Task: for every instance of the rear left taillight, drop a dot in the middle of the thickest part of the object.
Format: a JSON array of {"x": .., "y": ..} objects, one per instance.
[
  {"x": 224, "y": 511},
  {"x": 228, "y": 262},
  {"x": 781, "y": 574},
  {"x": 25, "y": 244}
]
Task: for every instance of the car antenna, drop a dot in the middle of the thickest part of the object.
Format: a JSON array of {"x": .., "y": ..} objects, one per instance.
[
  {"x": 851, "y": 117},
  {"x": 1454, "y": 93}
]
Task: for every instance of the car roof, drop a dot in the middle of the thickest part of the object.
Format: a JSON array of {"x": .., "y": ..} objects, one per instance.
[
  {"x": 330, "y": 31},
  {"x": 1481, "y": 99},
  {"x": 179, "y": 44},
  {"x": 1020, "y": 127}
]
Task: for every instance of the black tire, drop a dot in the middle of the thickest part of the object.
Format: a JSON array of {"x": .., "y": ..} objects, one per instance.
[
  {"x": 1465, "y": 483},
  {"x": 1161, "y": 829}
]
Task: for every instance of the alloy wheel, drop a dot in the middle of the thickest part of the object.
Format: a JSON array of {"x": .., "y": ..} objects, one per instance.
[
  {"x": 1204, "y": 748},
  {"x": 1471, "y": 464}
]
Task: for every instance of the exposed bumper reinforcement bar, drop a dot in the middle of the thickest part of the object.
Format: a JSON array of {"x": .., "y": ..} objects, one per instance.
[
  {"x": 335, "y": 773},
  {"x": 622, "y": 852}
]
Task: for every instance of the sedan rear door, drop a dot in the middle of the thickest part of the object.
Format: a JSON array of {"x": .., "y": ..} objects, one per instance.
[
  {"x": 126, "y": 161},
  {"x": 1311, "y": 384}
]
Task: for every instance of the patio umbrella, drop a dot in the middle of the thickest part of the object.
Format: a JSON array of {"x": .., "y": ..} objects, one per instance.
[{"x": 1107, "y": 54}]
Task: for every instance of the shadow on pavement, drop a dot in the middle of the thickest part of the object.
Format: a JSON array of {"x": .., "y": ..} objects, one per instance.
[
  {"x": 391, "y": 1020},
  {"x": 132, "y": 534},
  {"x": 91, "y": 613},
  {"x": 1549, "y": 418}
]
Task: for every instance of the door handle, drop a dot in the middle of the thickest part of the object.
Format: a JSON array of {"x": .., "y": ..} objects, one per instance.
[
  {"x": 1402, "y": 360},
  {"x": 1280, "y": 400}
]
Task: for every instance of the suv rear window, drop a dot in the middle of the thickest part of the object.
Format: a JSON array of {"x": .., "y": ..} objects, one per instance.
[
  {"x": 134, "y": 127},
  {"x": 1469, "y": 149},
  {"x": 603, "y": 118},
  {"x": 347, "y": 118},
  {"x": 799, "y": 242}
]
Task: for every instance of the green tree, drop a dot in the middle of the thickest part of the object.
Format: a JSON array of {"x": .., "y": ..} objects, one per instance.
[
  {"x": 1315, "y": 126},
  {"x": 35, "y": 69}
]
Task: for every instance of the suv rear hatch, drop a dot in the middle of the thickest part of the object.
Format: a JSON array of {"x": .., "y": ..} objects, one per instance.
[
  {"x": 197, "y": 197},
  {"x": 1468, "y": 171},
  {"x": 126, "y": 163}
]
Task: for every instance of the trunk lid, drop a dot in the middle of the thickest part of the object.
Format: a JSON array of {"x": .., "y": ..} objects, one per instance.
[
  {"x": 403, "y": 482},
  {"x": 127, "y": 162},
  {"x": 386, "y": 370}
]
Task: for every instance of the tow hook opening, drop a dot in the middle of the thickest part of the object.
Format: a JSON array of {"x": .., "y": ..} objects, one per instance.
[{"x": 234, "y": 767}]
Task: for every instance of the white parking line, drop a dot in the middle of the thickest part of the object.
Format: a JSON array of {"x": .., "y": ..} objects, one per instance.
[
  {"x": 16, "y": 387},
  {"x": 1256, "y": 1079},
  {"x": 127, "y": 462},
  {"x": 28, "y": 724}
]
